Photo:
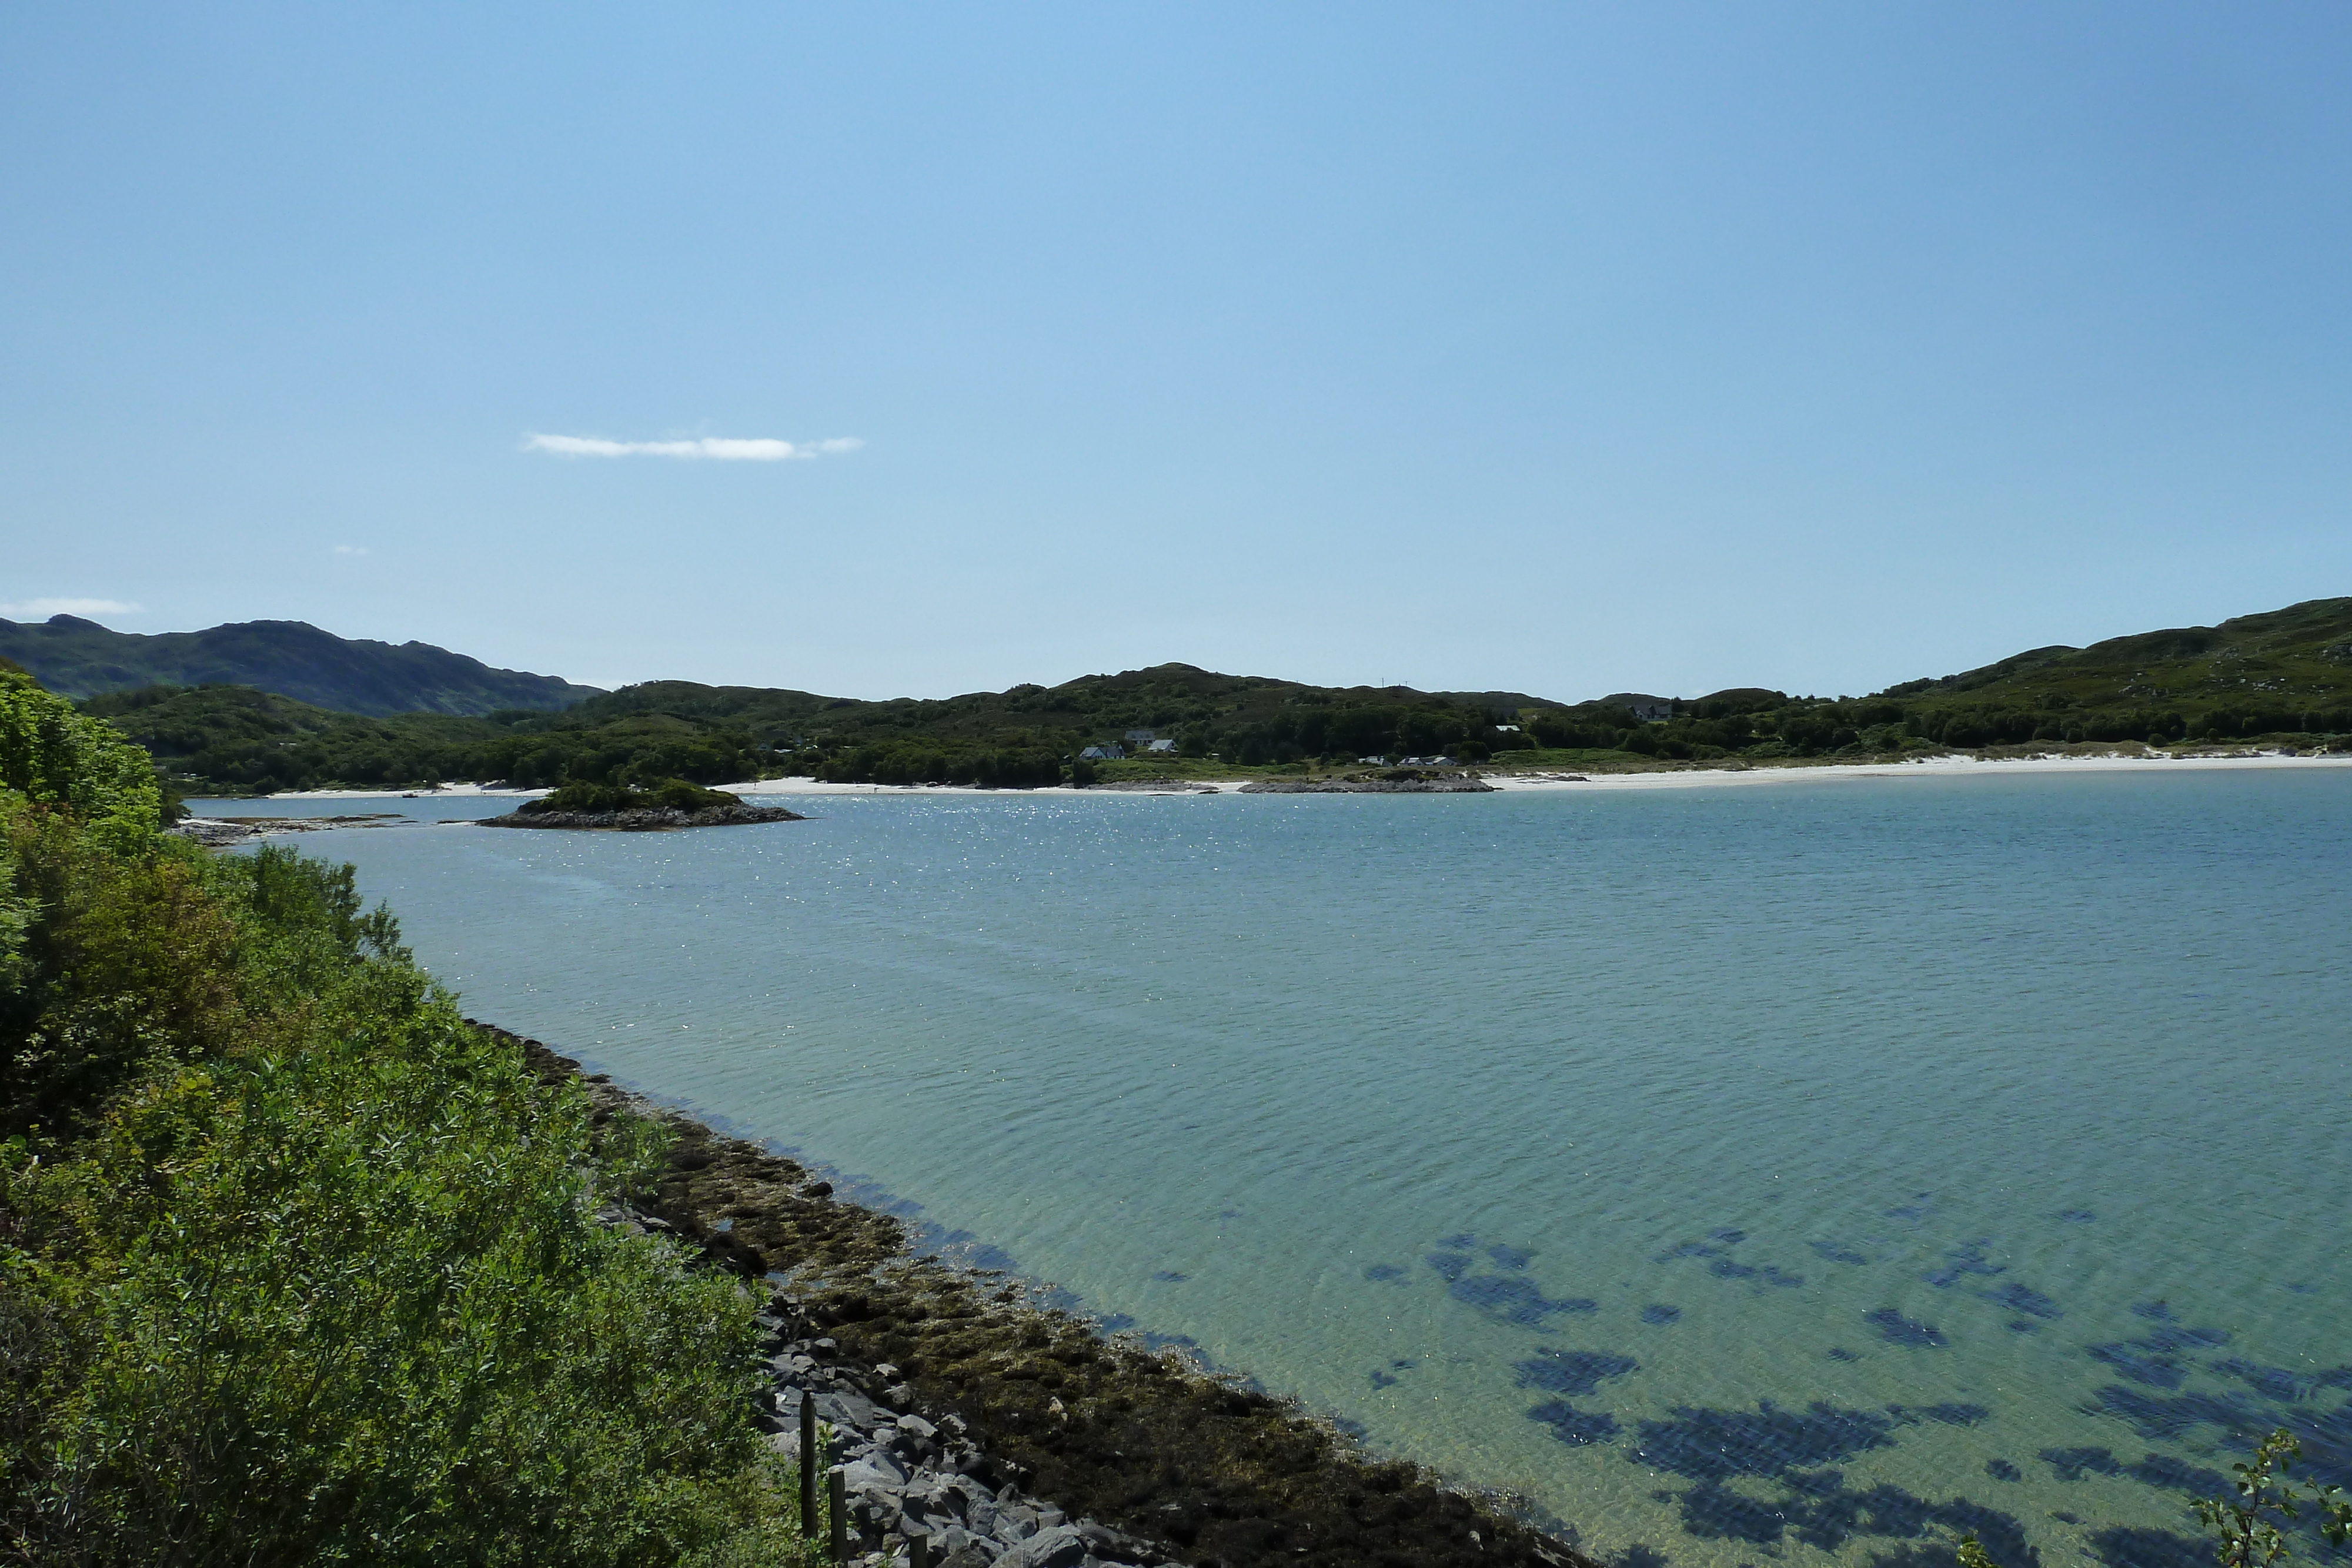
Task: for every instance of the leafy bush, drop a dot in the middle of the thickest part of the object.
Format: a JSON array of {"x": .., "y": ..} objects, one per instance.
[{"x": 296, "y": 1266}]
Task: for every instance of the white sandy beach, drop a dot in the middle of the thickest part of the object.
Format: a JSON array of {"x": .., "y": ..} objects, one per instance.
[{"x": 1693, "y": 779}]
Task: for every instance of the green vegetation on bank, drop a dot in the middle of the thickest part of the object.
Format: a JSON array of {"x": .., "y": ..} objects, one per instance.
[
  {"x": 296, "y": 1266},
  {"x": 2283, "y": 678}
]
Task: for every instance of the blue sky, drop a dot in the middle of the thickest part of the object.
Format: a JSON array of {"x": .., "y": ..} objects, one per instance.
[{"x": 1556, "y": 348}]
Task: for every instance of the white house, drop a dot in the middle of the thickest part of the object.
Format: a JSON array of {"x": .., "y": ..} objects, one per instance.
[
  {"x": 1103, "y": 753},
  {"x": 1167, "y": 747}
]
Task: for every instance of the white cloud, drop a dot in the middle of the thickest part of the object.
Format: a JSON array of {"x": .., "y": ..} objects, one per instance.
[
  {"x": 722, "y": 449},
  {"x": 42, "y": 609},
  {"x": 351, "y": 549}
]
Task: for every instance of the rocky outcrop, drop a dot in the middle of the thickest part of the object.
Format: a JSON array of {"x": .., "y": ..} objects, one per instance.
[
  {"x": 1156, "y": 787},
  {"x": 1400, "y": 782},
  {"x": 905, "y": 1477},
  {"x": 219, "y": 833},
  {"x": 646, "y": 820}
]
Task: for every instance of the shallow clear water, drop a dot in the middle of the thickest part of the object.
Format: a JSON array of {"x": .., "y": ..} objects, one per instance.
[{"x": 1773, "y": 1171}]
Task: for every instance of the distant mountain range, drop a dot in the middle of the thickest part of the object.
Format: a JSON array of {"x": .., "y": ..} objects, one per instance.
[{"x": 79, "y": 658}]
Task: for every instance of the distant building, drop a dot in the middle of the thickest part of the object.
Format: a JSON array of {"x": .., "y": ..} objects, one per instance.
[
  {"x": 1427, "y": 762},
  {"x": 1644, "y": 707},
  {"x": 1103, "y": 753},
  {"x": 1375, "y": 761},
  {"x": 1161, "y": 746},
  {"x": 1141, "y": 737}
]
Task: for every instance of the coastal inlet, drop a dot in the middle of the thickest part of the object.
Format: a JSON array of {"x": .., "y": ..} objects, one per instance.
[{"x": 1809, "y": 1169}]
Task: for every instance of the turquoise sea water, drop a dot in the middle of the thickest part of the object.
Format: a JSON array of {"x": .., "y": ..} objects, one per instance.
[{"x": 1795, "y": 1172}]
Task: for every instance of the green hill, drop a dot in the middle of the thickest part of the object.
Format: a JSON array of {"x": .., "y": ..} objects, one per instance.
[
  {"x": 2284, "y": 672},
  {"x": 2285, "y": 677},
  {"x": 79, "y": 658}
]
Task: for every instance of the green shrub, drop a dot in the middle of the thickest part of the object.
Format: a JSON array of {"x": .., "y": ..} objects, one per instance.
[{"x": 296, "y": 1266}]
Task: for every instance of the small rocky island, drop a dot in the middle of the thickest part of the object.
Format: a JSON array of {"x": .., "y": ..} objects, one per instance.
[{"x": 616, "y": 808}]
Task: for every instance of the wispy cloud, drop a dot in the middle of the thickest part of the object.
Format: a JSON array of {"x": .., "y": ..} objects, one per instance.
[
  {"x": 351, "y": 549},
  {"x": 722, "y": 449},
  {"x": 42, "y": 609}
]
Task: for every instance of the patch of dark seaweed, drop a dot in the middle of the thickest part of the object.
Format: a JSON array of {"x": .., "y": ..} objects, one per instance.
[
  {"x": 2002, "y": 1470},
  {"x": 2071, "y": 1464},
  {"x": 1715, "y": 1445},
  {"x": 1572, "y": 1426},
  {"x": 2017, "y": 1298},
  {"x": 1572, "y": 1371},
  {"x": 2138, "y": 1364},
  {"x": 1687, "y": 1249},
  {"x": 1659, "y": 1312},
  {"x": 1509, "y": 1256},
  {"x": 1386, "y": 1273},
  {"x": 1838, "y": 1252},
  {"x": 2133, "y": 1547},
  {"x": 2164, "y": 1471},
  {"x": 1960, "y": 1262},
  {"x": 1514, "y": 1300},
  {"x": 1714, "y": 1512},
  {"x": 1955, "y": 1414},
  {"x": 1450, "y": 1266},
  {"x": 1895, "y": 1329},
  {"x": 2161, "y": 1419},
  {"x": 1819, "y": 1510}
]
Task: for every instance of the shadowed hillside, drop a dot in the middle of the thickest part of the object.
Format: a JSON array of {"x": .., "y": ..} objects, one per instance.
[{"x": 79, "y": 658}]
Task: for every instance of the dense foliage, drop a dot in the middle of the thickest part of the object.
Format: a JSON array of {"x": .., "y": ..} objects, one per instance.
[
  {"x": 668, "y": 795},
  {"x": 238, "y": 739},
  {"x": 296, "y": 1266},
  {"x": 80, "y": 658}
]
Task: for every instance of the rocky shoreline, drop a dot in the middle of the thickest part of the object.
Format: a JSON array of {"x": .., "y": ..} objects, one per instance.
[
  {"x": 645, "y": 819},
  {"x": 219, "y": 833},
  {"x": 1010, "y": 1433}
]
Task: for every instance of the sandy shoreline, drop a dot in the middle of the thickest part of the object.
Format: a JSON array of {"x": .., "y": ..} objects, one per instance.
[{"x": 1693, "y": 779}]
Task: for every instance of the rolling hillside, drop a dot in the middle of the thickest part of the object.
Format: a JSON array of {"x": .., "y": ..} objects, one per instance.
[{"x": 2283, "y": 678}]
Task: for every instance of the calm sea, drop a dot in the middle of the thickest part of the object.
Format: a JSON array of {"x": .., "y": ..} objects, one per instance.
[{"x": 1798, "y": 1171}]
